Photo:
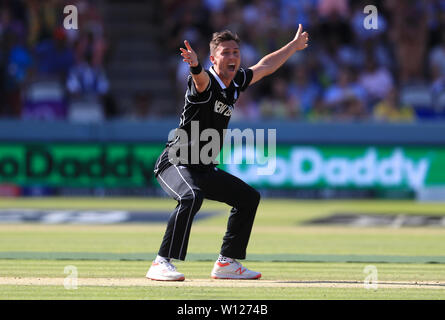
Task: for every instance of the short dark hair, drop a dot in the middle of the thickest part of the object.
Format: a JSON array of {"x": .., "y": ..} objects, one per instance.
[{"x": 222, "y": 36}]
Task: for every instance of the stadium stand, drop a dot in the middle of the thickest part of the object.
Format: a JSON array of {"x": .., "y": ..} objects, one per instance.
[{"x": 123, "y": 59}]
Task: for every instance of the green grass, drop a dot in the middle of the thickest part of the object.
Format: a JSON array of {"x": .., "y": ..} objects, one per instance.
[
  {"x": 289, "y": 271},
  {"x": 207, "y": 293},
  {"x": 279, "y": 232}
]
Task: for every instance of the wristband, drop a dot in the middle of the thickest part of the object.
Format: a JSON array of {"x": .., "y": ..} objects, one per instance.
[{"x": 197, "y": 69}]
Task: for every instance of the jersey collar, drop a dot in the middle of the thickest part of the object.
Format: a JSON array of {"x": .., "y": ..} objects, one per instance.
[{"x": 222, "y": 85}]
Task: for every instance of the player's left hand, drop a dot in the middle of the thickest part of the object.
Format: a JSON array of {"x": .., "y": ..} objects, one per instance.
[{"x": 301, "y": 39}]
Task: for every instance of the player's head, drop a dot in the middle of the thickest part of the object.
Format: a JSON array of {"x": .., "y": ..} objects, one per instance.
[{"x": 225, "y": 53}]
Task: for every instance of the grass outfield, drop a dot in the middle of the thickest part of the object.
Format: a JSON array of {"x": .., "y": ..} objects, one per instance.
[{"x": 297, "y": 261}]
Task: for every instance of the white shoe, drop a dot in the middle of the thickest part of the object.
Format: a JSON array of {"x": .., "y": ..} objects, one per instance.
[
  {"x": 232, "y": 269},
  {"x": 164, "y": 271}
]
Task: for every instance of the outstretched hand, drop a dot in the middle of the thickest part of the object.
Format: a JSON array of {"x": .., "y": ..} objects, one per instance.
[
  {"x": 301, "y": 39},
  {"x": 189, "y": 55}
]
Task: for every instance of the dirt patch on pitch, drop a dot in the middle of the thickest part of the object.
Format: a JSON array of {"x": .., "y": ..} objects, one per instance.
[{"x": 143, "y": 282}]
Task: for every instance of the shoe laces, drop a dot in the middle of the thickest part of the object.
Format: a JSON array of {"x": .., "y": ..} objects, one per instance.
[
  {"x": 231, "y": 260},
  {"x": 237, "y": 262},
  {"x": 168, "y": 265}
]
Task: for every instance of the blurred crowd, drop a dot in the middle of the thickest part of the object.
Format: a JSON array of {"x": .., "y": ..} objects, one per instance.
[
  {"x": 45, "y": 68},
  {"x": 393, "y": 73}
]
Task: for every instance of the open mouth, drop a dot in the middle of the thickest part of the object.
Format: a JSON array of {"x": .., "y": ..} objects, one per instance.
[{"x": 231, "y": 67}]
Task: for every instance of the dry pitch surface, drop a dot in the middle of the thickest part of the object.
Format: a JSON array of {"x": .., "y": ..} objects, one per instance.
[{"x": 142, "y": 282}]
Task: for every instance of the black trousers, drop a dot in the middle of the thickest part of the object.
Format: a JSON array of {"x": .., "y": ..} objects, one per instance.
[{"x": 189, "y": 187}]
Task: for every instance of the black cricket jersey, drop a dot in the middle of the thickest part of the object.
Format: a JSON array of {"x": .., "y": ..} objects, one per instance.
[{"x": 210, "y": 109}]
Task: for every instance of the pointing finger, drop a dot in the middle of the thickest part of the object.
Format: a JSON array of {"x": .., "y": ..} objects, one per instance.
[{"x": 187, "y": 45}]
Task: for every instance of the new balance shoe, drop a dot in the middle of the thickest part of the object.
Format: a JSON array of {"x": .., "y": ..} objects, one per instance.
[
  {"x": 232, "y": 269},
  {"x": 163, "y": 270}
]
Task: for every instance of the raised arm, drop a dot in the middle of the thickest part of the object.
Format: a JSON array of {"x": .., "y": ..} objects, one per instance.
[
  {"x": 201, "y": 79},
  {"x": 270, "y": 63}
]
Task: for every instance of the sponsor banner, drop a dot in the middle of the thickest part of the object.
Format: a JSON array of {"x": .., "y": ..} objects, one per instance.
[
  {"x": 41, "y": 167},
  {"x": 78, "y": 165},
  {"x": 345, "y": 167}
]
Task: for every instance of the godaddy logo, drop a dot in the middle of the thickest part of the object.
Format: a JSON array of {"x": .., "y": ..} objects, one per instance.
[{"x": 307, "y": 166}]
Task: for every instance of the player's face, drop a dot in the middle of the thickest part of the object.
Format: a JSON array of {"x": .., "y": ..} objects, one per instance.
[{"x": 226, "y": 59}]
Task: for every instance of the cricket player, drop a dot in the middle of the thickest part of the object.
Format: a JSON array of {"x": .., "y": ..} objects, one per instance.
[{"x": 209, "y": 102}]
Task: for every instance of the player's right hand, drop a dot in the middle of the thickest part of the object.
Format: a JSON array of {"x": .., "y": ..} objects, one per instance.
[{"x": 189, "y": 55}]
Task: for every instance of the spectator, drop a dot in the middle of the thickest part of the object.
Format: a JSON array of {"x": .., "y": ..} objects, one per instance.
[
  {"x": 334, "y": 23},
  {"x": 319, "y": 112},
  {"x": 437, "y": 56},
  {"x": 353, "y": 110},
  {"x": 377, "y": 81},
  {"x": 329, "y": 60},
  {"x": 142, "y": 107},
  {"x": 90, "y": 44},
  {"x": 380, "y": 51},
  {"x": 17, "y": 62},
  {"x": 438, "y": 88},
  {"x": 390, "y": 109},
  {"x": 333, "y": 7},
  {"x": 85, "y": 79},
  {"x": 249, "y": 53},
  {"x": 246, "y": 108},
  {"x": 436, "y": 21},
  {"x": 279, "y": 104},
  {"x": 54, "y": 57},
  {"x": 302, "y": 89},
  {"x": 215, "y": 5},
  {"x": 409, "y": 34},
  {"x": 259, "y": 10},
  {"x": 42, "y": 19},
  {"x": 345, "y": 94},
  {"x": 294, "y": 12}
]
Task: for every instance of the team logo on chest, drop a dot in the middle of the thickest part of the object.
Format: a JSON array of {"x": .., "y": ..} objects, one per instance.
[{"x": 223, "y": 108}]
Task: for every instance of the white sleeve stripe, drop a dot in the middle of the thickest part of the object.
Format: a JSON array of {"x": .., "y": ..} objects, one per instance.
[
  {"x": 210, "y": 83},
  {"x": 200, "y": 102},
  {"x": 208, "y": 86},
  {"x": 191, "y": 118},
  {"x": 207, "y": 89},
  {"x": 245, "y": 76}
]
